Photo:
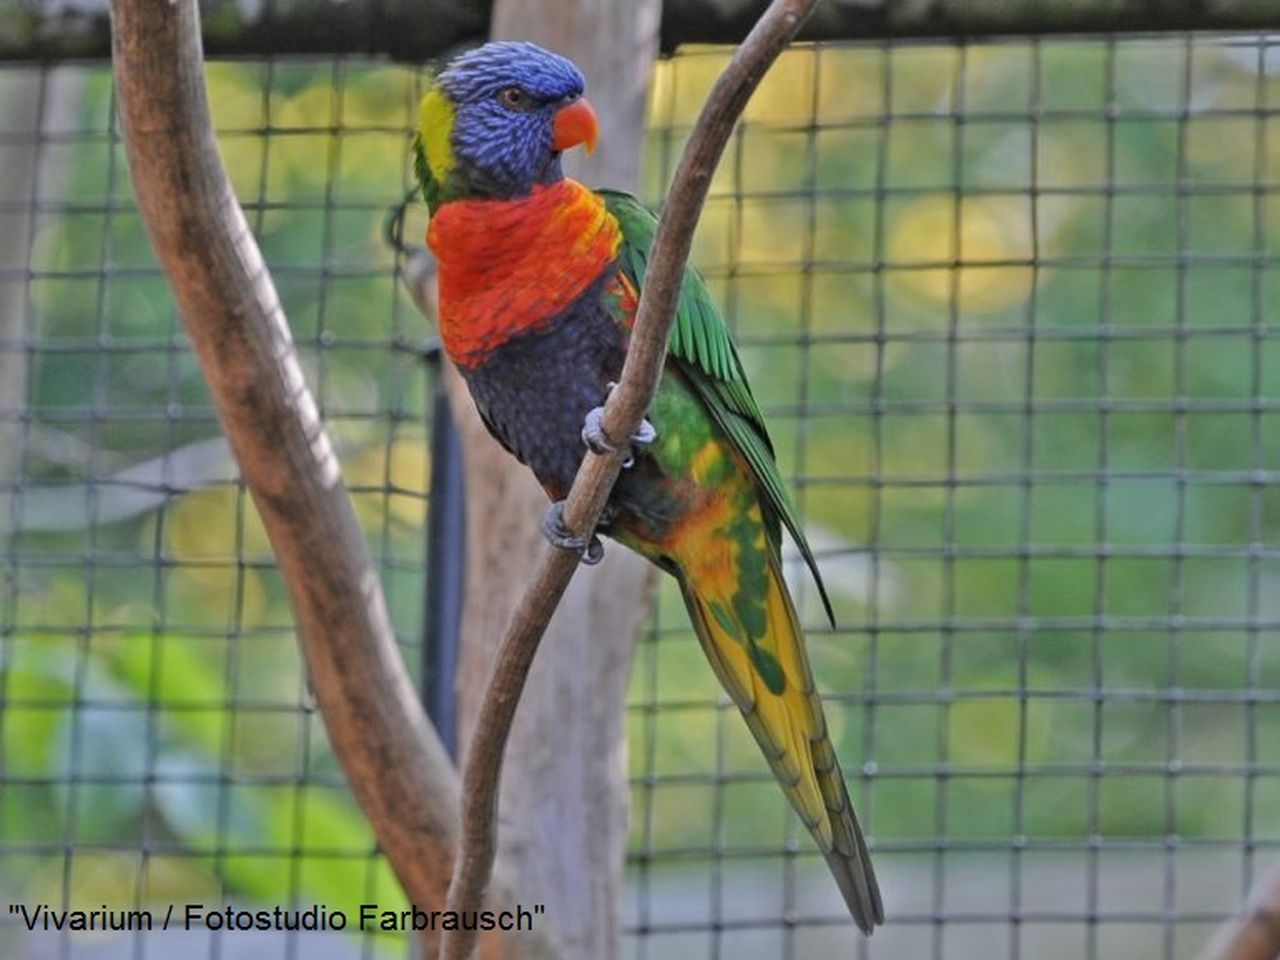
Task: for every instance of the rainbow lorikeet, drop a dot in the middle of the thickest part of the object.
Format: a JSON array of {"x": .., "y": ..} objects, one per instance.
[{"x": 538, "y": 285}]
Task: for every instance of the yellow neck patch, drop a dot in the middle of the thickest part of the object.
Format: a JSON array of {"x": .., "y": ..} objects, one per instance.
[{"x": 435, "y": 125}]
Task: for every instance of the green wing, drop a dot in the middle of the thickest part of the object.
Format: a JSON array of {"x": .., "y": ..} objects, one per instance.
[{"x": 701, "y": 347}]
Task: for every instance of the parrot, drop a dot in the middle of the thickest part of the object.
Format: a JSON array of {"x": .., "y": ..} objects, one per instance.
[{"x": 538, "y": 281}]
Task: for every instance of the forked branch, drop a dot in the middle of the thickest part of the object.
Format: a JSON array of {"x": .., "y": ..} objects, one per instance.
[
  {"x": 1255, "y": 933},
  {"x": 394, "y": 762},
  {"x": 624, "y": 410}
]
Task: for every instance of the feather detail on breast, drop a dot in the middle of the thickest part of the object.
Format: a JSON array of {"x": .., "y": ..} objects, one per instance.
[{"x": 509, "y": 266}]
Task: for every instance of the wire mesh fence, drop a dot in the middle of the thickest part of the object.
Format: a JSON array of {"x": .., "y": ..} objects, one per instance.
[
  {"x": 158, "y": 733},
  {"x": 1011, "y": 311}
]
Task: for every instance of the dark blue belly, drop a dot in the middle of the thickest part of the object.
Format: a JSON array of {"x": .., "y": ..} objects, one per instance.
[{"x": 534, "y": 391}]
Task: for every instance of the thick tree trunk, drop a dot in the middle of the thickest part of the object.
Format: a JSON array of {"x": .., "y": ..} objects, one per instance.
[
  {"x": 564, "y": 796},
  {"x": 394, "y": 762}
]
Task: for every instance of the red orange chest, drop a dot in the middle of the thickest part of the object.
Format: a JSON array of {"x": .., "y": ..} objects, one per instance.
[{"x": 507, "y": 266}]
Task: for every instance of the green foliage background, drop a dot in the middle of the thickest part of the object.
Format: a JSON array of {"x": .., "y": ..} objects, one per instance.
[{"x": 1021, "y": 366}]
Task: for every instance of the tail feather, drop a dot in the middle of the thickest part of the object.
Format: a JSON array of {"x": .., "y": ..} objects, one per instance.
[{"x": 786, "y": 719}]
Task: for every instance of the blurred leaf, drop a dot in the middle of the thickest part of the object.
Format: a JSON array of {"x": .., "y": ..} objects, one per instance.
[{"x": 173, "y": 675}]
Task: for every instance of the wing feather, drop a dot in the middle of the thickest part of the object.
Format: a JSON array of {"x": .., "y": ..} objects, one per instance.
[{"x": 700, "y": 345}]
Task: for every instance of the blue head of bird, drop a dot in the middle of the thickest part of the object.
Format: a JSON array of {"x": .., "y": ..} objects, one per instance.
[{"x": 496, "y": 120}]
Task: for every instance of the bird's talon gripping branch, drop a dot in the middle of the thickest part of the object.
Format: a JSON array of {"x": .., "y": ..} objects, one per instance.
[
  {"x": 598, "y": 441},
  {"x": 645, "y": 434},
  {"x": 558, "y": 535}
]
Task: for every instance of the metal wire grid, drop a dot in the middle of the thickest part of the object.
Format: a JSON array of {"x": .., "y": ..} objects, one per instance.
[
  {"x": 1111, "y": 868},
  {"x": 215, "y": 774},
  {"x": 1031, "y": 763}
]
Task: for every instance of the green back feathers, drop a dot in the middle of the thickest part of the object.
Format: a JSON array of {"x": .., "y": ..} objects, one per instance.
[{"x": 701, "y": 346}]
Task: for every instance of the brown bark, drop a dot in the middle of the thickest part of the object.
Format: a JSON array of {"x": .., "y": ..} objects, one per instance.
[
  {"x": 393, "y": 760},
  {"x": 1255, "y": 934}
]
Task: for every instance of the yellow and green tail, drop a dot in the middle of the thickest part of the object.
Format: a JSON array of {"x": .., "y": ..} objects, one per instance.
[{"x": 768, "y": 677}]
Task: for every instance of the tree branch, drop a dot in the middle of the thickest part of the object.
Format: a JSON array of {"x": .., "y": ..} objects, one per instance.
[
  {"x": 565, "y": 797},
  {"x": 624, "y": 410},
  {"x": 1255, "y": 933},
  {"x": 393, "y": 760}
]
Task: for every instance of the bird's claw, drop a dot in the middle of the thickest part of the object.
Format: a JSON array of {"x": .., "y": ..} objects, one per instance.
[
  {"x": 598, "y": 441},
  {"x": 554, "y": 529},
  {"x": 645, "y": 434}
]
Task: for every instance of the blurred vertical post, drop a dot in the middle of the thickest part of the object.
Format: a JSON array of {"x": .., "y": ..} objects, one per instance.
[
  {"x": 31, "y": 101},
  {"x": 20, "y": 102},
  {"x": 446, "y": 561},
  {"x": 564, "y": 801}
]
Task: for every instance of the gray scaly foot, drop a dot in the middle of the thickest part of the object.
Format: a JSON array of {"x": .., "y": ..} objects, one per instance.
[
  {"x": 598, "y": 441},
  {"x": 559, "y": 535}
]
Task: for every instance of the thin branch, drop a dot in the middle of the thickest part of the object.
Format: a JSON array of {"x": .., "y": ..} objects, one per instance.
[
  {"x": 393, "y": 760},
  {"x": 624, "y": 410},
  {"x": 1255, "y": 933}
]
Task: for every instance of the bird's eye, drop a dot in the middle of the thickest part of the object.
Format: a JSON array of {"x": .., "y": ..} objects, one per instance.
[{"x": 516, "y": 99}]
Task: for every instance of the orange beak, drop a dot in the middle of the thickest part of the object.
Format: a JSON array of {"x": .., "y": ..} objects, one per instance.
[{"x": 575, "y": 124}]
